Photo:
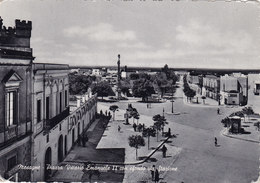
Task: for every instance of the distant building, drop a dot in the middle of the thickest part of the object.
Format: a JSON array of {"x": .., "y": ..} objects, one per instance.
[
  {"x": 123, "y": 74},
  {"x": 196, "y": 80},
  {"x": 211, "y": 87},
  {"x": 234, "y": 89},
  {"x": 74, "y": 70},
  {"x": 15, "y": 100},
  {"x": 112, "y": 71},
  {"x": 96, "y": 72}
]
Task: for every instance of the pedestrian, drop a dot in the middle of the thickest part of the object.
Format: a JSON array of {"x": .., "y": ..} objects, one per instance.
[
  {"x": 134, "y": 126},
  {"x": 143, "y": 127},
  {"x": 140, "y": 127},
  {"x": 156, "y": 176},
  {"x": 152, "y": 172},
  {"x": 119, "y": 128},
  {"x": 83, "y": 141},
  {"x": 79, "y": 140},
  {"x": 147, "y": 106},
  {"x": 164, "y": 149},
  {"x": 106, "y": 112},
  {"x": 218, "y": 110},
  {"x": 216, "y": 141},
  {"x": 169, "y": 134}
]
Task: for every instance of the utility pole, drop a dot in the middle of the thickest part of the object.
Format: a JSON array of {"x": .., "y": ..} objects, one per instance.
[
  {"x": 172, "y": 105},
  {"x": 118, "y": 78},
  {"x": 163, "y": 112}
]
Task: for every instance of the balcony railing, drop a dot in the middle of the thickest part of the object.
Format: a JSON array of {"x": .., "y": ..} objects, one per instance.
[
  {"x": 57, "y": 119},
  {"x": 12, "y": 134}
]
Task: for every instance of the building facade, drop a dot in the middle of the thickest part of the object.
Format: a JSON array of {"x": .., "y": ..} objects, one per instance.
[
  {"x": 211, "y": 87},
  {"x": 234, "y": 89},
  {"x": 15, "y": 100},
  {"x": 37, "y": 125},
  {"x": 56, "y": 125}
]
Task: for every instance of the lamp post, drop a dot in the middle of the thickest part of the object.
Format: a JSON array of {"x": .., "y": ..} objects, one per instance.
[{"x": 163, "y": 112}]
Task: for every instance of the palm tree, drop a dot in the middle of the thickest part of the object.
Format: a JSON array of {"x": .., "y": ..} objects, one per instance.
[
  {"x": 150, "y": 131},
  {"x": 159, "y": 123},
  {"x": 136, "y": 141}
]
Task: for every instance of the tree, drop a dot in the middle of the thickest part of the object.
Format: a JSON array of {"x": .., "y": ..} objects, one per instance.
[
  {"x": 136, "y": 141},
  {"x": 170, "y": 74},
  {"x": 248, "y": 110},
  {"x": 134, "y": 114},
  {"x": 143, "y": 88},
  {"x": 226, "y": 122},
  {"x": 162, "y": 82},
  {"x": 113, "y": 108},
  {"x": 159, "y": 123},
  {"x": 134, "y": 76},
  {"x": 147, "y": 132},
  {"x": 125, "y": 87},
  {"x": 189, "y": 93},
  {"x": 137, "y": 117},
  {"x": 103, "y": 89},
  {"x": 79, "y": 84}
]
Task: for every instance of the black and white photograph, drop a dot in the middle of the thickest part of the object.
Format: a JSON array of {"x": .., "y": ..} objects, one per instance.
[{"x": 130, "y": 91}]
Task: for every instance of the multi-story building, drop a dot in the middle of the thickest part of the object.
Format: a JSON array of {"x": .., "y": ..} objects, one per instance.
[
  {"x": 96, "y": 72},
  {"x": 37, "y": 126},
  {"x": 56, "y": 128},
  {"x": 211, "y": 87},
  {"x": 234, "y": 89},
  {"x": 15, "y": 101},
  {"x": 197, "y": 80}
]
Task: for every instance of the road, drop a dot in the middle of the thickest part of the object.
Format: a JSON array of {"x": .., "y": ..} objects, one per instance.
[{"x": 199, "y": 160}]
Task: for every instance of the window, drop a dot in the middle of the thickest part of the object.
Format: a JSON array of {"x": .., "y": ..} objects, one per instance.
[
  {"x": 11, "y": 162},
  {"x": 39, "y": 104},
  {"x": 232, "y": 95},
  {"x": 10, "y": 108},
  {"x": 66, "y": 98},
  {"x": 47, "y": 108},
  {"x": 47, "y": 138}
]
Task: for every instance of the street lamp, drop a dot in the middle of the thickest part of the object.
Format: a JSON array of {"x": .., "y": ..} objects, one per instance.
[
  {"x": 163, "y": 112},
  {"x": 172, "y": 104}
]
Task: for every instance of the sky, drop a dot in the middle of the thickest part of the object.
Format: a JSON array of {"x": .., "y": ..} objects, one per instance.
[{"x": 191, "y": 34}]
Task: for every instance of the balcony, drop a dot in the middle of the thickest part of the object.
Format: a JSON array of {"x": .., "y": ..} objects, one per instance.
[
  {"x": 11, "y": 132},
  {"x": 14, "y": 133},
  {"x": 57, "y": 119}
]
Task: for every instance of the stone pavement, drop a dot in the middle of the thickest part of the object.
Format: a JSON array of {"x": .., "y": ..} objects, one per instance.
[
  {"x": 89, "y": 153},
  {"x": 119, "y": 139},
  {"x": 112, "y": 146}
]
